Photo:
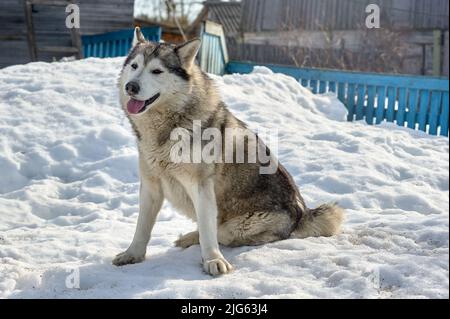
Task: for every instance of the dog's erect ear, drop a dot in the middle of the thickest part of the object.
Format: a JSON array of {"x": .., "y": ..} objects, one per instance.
[
  {"x": 138, "y": 37},
  {"x": 188, "y": 51}
]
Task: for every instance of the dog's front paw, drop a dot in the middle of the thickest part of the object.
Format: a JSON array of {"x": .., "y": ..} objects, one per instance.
[
  {"x": 126, "y": 258},
  {"x": 217, "y": 267}
]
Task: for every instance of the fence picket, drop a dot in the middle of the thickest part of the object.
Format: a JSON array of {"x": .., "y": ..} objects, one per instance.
[
  {"x": 381, "y": 105},
  {"x": 423, "y": 110},
  {"x": 332, "y": 87},
  {"x": 361, "y": 102},
  {"x": 370, "y": 104},
  {"x": 402, "y": 100},
  {"x": 304, "y": 82},
  {"x": 412, "y": 108},
  {"x": 341, "y": 92},
  {"x": 88, "y": 50},
  {"x": 436, "y": 100},
  {"x": 351, "y": 101},
  {"x": 392, "y": 102},
  {"x": 444, "y": 115},
  {"x": 313, "y": 85},
  {"x": 322, "y": 87},
  {"x": 95, "y": 49}
]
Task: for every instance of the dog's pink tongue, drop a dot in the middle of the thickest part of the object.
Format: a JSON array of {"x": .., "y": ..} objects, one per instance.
[{"x": 135, "y": 106}]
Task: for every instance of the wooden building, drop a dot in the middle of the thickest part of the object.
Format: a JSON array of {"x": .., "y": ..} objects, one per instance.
[
  {"x": 228, "y": 14},
  {"x": 170, "y": 32},
  {"x": 413, "y": 37},
  {"x": 282, "y": 15},
  {"x": 50, "y": 29},
  {"x": 332, "y": 33}
]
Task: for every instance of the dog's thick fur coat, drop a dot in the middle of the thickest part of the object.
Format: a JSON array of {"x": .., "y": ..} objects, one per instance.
[{"x": 233, "y": 204}]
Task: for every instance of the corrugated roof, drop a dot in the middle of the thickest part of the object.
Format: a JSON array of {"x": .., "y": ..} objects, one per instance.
[{"x": 228, "y": 14}]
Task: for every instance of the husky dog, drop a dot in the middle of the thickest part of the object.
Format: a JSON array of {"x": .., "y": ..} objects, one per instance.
[{"x": 162, "y": 89}]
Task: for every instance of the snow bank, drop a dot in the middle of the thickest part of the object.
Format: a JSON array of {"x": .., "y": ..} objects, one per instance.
[{"x": 69, "y": 196}]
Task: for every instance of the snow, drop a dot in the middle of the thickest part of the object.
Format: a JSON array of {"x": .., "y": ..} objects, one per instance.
[{"x": 69, "y": 196}]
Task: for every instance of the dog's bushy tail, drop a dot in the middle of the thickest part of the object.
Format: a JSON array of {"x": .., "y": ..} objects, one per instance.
[{"x": 325, "y": 221}]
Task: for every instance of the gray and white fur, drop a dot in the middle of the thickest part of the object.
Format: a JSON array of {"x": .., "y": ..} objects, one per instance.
[{"x": 233, "y": 204}]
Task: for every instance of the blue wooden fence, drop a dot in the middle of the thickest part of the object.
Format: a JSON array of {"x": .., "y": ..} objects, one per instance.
[
  {"x": 420, "y": 103},
  {"x": 114, "y": 44}
]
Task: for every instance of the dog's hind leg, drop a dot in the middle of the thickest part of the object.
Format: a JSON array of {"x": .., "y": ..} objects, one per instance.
[
  {"x": 254, "y": 229},
  {"x": 188, "y": 240},
  {"x": 251, "y": 229}
]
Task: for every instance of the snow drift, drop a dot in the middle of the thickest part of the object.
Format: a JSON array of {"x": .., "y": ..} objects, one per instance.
[{"x": 69, "y": 196}]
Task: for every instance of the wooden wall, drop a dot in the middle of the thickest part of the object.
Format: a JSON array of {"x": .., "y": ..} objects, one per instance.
[
  {"x": 13, "y": 46},
  {"x": 97, "y": 16},
  {"x": 272, "y": 29},
  {"x": 278, "y": 15},
  {"x": 407, "y": 52},
  {"x": 446, "y": 55}
]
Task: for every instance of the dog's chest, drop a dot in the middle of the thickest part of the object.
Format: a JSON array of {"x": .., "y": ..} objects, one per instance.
[
  {"x": 156, "y": 155},
  {"x": 154, "y": 142},
  {"x": 175, "y": 193}
]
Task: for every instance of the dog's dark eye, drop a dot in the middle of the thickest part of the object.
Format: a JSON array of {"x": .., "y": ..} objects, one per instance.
[
  {"x": 157, "y": 71},
  {"x": 134, "y": 66}
]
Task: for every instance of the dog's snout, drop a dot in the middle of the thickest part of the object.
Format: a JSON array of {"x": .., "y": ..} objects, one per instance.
[{"x": 132, "y": 88}]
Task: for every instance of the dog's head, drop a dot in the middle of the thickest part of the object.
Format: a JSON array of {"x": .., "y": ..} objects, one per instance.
[{"x": 156, "y": 73}]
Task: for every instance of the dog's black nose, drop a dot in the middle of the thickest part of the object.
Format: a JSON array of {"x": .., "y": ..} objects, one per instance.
[{"x": 132, "y": 88}]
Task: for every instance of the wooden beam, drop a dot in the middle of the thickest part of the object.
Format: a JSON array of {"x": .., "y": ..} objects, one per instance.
[
  {"x": 74, "y": 33},
  {"x": 76, "y": 41},
  {"x": 445, "y": 68},
  {"x": 58, "y": 49},
  {"x": 61, "y": 3},
  {"x": 437, "y": 53},
  {"x": 30, "y": 31}
]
